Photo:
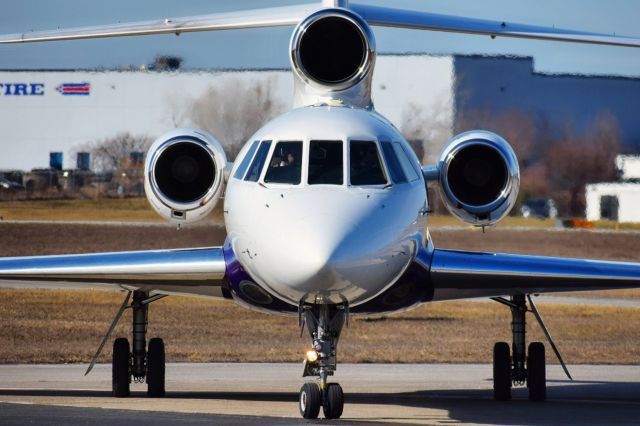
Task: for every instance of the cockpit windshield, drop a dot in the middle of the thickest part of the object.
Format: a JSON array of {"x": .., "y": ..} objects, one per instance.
[
  {"x": 285, "y": 164},
  {"x": 326, "y": 163},
  {"x": 325, "y": 160},
  {"x": 366, "y": 165}
]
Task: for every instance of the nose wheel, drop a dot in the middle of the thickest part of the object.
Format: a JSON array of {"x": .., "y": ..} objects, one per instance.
[
  {"x": 324, "y": 323},
  {"x": 312, "y": 398},
  {"x": 333, "y": 401}
]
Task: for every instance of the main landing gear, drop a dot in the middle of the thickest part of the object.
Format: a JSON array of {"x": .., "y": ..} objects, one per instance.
[
  {"x": 512, "y": 366},
  {"x": 143, "y": 363},
  {"x": 324, "y": 323}
]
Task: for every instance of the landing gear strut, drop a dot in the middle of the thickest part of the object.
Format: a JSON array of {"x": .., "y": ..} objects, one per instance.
[
  {"x": 143, "y": 363},
  {"x": 514, "y": 366},
  {"x": 324, "y": 323}
]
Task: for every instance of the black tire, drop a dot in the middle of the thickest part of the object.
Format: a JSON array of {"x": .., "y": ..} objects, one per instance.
[
  {"x": 501, "y": 372},
  {"x": 120, "y": 377},
  {"x": 155, "y": 368},
  {"x": 335, "y": 401},
  {"x": 536, "y": 372},
  {"x": 309, "y": 401}
]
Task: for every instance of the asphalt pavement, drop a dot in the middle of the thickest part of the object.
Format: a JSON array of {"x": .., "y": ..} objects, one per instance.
[{"x": 229, "y": 393}]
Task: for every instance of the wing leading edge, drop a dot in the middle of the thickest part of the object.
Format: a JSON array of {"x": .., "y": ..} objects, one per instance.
[
  {"x": 184, "y": 271},
  {"x": 460, "y": 274},
  {"x": 291, "y": 15},
  {"x": 256, "y": 18},
  {"x": 401, "y": 18}
]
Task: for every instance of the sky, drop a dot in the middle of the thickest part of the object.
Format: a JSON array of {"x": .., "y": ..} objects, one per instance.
[{"x": 267, "y": 48}]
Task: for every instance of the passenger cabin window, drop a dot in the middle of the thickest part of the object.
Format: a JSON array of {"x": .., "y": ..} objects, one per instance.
[
  {"x": 366, "y": 167},
  {"x": 258, "y": 162},
  {"x": 284, "y": 166},
  {"x": 393, "y": 163},
  {"x": 246, "y": 160},
  {"x": 326, "y": 163}
]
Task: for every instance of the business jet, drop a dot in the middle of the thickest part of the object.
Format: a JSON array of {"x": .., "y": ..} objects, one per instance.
[{"x": 326, "y": 208}]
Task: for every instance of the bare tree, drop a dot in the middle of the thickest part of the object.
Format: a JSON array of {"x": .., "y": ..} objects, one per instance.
[
  {"x": 113, "y": 153},
  {"x": 575, "y": 160},
  {"x": 234, "y": 112},
  {"x": 516, "y": 126},
  {"x": 519, "y": 128},
  {"x": 427, "y": 130}
]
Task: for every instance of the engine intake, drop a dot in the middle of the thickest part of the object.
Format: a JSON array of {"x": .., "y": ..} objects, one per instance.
[
  {"x": 479, "y": 177},
  {"x": 184, "y": 174},
  {"x": 332, "y": 49}
]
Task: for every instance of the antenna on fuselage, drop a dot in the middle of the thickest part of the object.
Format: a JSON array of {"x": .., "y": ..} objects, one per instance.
[{"x": 335, "y": 3}]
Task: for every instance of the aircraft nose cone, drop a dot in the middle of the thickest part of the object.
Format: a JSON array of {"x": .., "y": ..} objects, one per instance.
[
  {"x": 311, "y": 259},
  {"x": 325, "y": 243}
]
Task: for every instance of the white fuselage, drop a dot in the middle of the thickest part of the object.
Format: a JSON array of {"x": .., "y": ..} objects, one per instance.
[{"x": 326, "y": 242}]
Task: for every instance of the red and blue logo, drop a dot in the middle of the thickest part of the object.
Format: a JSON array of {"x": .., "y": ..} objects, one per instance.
[{"x": 74, "y": 89}]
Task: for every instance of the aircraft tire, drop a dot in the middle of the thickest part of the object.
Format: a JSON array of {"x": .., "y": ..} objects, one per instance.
[
  {"x": 536, "y": 372},
  {"x": 155, "y": 368},
  {"x": 501, "y": 372},
  {"x": 310, "y": 400},
  {"x": 334, "y": 404},
  {"x": 120, "y": 376}
]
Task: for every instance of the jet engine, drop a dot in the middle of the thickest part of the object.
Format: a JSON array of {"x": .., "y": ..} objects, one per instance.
[
  {"x": 184, "y": 174},
  {"x": 479, "y": 177},
  {"x": 332, "y": 49}
]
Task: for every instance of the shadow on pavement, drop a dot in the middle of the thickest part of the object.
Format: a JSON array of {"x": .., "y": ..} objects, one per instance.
[{"x": 579, "y": 402}]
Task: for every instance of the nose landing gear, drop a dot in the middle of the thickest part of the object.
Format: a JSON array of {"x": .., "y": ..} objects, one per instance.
[{"x": 324, "y": 324}]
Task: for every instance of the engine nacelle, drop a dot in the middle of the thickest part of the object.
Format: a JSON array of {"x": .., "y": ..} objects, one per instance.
[
  {"x": 479, "y": 177},
  {"x": 184, "y": 175},
  {"x": 332, "y": 50}
]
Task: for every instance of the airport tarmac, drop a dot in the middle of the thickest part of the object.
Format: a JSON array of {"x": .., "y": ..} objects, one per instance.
[{"x": 236, "y": 393}]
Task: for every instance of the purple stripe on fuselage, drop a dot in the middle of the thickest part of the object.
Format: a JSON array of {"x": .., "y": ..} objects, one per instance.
[
  {"x": 412, "y": 288},
  {"x": 235, "y": 275}
]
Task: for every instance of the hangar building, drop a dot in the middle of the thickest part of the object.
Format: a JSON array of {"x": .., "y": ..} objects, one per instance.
[
  {"x": 424, "y": 96},
  {"x": 45, "y": 111},
  {"x": 617, "y": 201}
]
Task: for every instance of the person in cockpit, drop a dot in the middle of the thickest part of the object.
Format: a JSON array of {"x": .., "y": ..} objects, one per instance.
[{"x": 288, "y": 161}]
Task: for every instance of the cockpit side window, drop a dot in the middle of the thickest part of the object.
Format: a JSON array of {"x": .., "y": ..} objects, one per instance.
[
  {"x": 326, "y": 163},
  {"x": 245, "y": 161},
  {"x": 366, "y": 167},
  {"x": 405, "y": 162},
  {"x": 395, "y": 168},
  {"x": 258, "y": 162},
  {"x": 284, "y": 166}
]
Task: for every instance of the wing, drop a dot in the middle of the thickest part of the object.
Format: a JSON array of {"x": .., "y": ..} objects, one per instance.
[
  {"x": 198, "y": 271},
  {"x": 256, "y": 18},
  {"x": 400, "y": 18},
  {"x": 461, "y": 274},
  {"x": 291, "y": 15}
]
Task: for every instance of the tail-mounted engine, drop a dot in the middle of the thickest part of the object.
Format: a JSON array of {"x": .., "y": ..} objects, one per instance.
[
  {"x": 332, "y": 52},
  {"x": 479, "y": 177},
  {"x": 184, "y": 175}
]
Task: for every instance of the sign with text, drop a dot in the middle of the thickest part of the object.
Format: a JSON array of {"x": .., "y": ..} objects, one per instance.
[{"x": 38, "y": 89}]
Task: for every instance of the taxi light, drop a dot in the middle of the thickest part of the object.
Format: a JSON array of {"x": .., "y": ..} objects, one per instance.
[{"x": 312, "y": 356}]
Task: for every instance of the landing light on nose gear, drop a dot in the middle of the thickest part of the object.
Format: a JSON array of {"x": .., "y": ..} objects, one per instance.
[{"x": 324, "y": 324}]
